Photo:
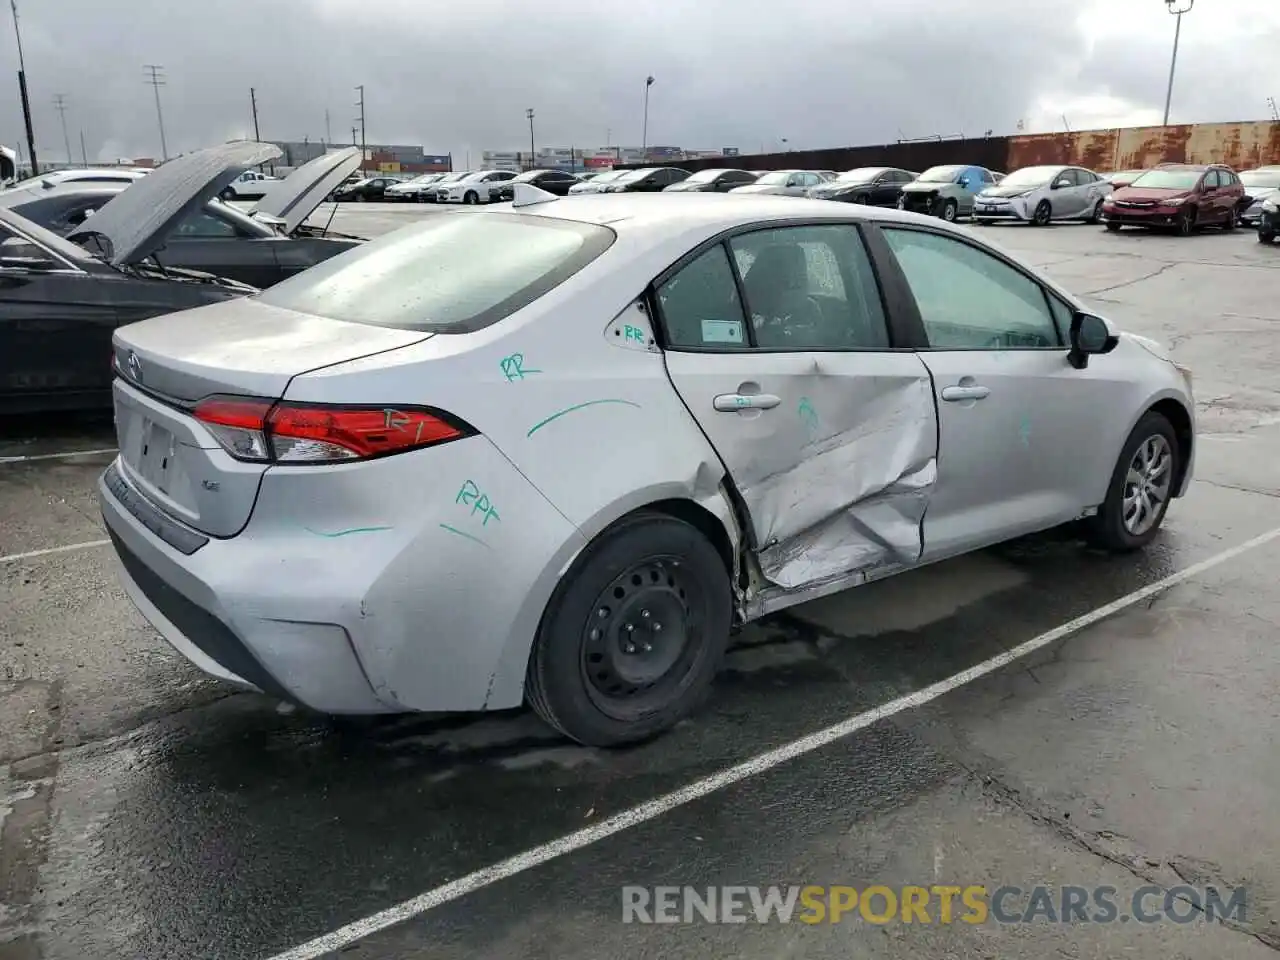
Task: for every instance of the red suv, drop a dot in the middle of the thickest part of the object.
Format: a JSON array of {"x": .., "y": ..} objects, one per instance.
[{"x": 1179, "y": 195}]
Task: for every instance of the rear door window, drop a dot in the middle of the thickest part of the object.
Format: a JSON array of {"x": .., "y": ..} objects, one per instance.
[{"x": 446, "y": 274}]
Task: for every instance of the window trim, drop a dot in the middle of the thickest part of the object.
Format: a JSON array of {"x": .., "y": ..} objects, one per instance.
[
  {"x": 893, "y": 329},
  {"x": 912, "y": 308},
  {"x": 67, "y": 266}
]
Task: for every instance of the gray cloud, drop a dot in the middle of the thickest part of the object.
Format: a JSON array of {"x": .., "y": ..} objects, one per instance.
[{"x": 458, "y": 77}]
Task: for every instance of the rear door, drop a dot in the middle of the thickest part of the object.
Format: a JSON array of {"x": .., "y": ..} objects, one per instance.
[
  {"x": 1026, "y": 440},
  {"x": 778, "y": 344},
  {"x": 55, "y": 327}
]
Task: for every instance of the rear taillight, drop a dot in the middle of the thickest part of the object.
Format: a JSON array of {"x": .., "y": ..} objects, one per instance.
[{"x": 276, "y": 432}]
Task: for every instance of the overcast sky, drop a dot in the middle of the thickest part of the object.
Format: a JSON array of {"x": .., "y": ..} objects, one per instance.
[{"x": 457, "y": 76}]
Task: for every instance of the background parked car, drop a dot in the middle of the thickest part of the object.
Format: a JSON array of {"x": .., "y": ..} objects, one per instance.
[
  {"x": 715, "y": 180},
  {"x": 411, "y": 191},
  {"x": 430, "y": 194},
  {"x": 250, "y": 185},
  {"x": 1182, "y": 196},
  {"x": 1258, "y": 186},
  {"x": 88, "y": 175},
  {"x": 645, "y": 180},
  {"x": 876, "y": 186},
  {"x": 786, "y": 183},
  {"x": 369, "y": 190},
  {"x": 473, "y": 188},
  {"x": 598, "y": 182},
  {"x": 553, "y": 181},
  {"x": 1041, "y": 194},
  {"x": 946, "y": 191},
  {"x": 1269, "y": 219},
  {"x": 1122, "y": 178}
]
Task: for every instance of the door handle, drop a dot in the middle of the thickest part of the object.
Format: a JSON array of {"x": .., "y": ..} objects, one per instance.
[
  {"x": 731, "y": 402},
  {"x": 973, "y": 392}
]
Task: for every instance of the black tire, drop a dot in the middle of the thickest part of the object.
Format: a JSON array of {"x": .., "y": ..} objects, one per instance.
[
  {"x": 1187, "y": 222},
  {"x": 227, "y": 194},
  {"x": 577, "y": 679},
  {"x": 1107, "y": 528},
  {"x": 981, "y": 221},
  {"x": 1096, "y": 215},
  {"x": 361, "y": 198},
  {"x": 1043, "y": 214},
  {"x": 471, "y": 197},
  {"x": 1265, "y": 236},
  {"x": 1231, "y": 222},
  {"x": 950, "y": 210},
  {"x": 862, "y": 198},
  {"x": 1113, "y": 227}
]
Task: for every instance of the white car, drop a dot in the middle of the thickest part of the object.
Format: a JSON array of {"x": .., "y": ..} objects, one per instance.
[
  {"x": 552, "y": 452},
  {"x": 1040, "y": 195},
  {"x": 600, "y": 183},
  {"x": 56, "y": 178},
  {"x": 413, "y": 190},
  {"x": 474, "y": 187},
  {"x": 250, "y": 185}
]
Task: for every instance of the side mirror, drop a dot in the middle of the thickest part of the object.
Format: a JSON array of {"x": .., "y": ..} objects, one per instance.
[
  {"x": 963, "y": 181},
  {"x": 1089, "y": 335},
  {"x": 1064, "y": 182}
]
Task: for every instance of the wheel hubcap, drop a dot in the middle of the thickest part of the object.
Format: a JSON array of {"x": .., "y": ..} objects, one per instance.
[
  {"x": 1147, "y": 484},
  {"x": 636, "y": 645}
]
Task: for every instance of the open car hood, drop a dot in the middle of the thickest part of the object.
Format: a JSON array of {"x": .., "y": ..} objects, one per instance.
[
  {"x": 138, "y": 222},
  {"x": 296, "y": 197}
]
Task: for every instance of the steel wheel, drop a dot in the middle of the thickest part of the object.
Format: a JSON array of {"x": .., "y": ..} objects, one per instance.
[
  {"x": 1147, "y": 485},
  {"x": 949, "y": 211},
  {"x": 636, "y": 650}
]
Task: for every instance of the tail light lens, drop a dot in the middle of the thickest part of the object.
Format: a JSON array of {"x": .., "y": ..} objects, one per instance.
[{"x": 268, "y": 431}]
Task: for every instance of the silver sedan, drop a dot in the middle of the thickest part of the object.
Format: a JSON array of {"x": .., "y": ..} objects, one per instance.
[
  {"x": 786, "y": 183},
  {"x": 466, "y": 466}
]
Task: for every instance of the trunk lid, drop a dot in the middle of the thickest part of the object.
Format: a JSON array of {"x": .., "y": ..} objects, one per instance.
[
  {"x": 296, "y": 197},
  {"x": 240, "y": 347}
]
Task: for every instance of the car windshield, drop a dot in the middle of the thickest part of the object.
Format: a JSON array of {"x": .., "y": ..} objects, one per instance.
[
  {"x": 446, "y": 274},
  {"x": 629, "y": 175},
  {"x": 528, "y": 175},
  {"x": 1261, "y": 178},
  {"x": 704, "y": 176},
  {"x": 610, "y": 175},
  {"x": 1168, "y": 179},
  {"x": 778, "y": 178},
  {"x": 860, "y": 175},
  {"x": 1030, "y": 176},
  {"x": 942, "y": 174}
]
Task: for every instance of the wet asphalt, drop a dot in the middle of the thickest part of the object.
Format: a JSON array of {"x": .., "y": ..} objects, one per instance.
[{"x": 147, "y": 812}]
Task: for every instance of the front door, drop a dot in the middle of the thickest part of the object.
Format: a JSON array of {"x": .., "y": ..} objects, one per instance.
[
  {"x": 56, "y": 323},
  {"x": 829, "y": 437},
  {"x": 1026, "y": 440}
]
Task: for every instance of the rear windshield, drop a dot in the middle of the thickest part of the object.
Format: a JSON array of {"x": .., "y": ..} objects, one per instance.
[{"x": 447, "y": 274}]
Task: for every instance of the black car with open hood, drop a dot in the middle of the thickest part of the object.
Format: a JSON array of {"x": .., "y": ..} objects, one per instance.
[
  {"x": 60, "y": 304},
  {"x": 261, "y": 246}
]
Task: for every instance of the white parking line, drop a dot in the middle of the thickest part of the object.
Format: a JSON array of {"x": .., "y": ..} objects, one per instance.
[
  {"x": 360, "y": 929},
  {"x": 33, "y": 554},
  {"x": 57, "y": 456}
]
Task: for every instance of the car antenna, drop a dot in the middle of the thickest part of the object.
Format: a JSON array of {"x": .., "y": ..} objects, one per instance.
[{"x": 526, "y": 194}]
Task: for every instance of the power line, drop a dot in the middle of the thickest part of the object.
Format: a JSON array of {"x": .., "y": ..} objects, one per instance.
[
  {"x": 155, "y": 77},
  {"x": 60, "y": 104}
]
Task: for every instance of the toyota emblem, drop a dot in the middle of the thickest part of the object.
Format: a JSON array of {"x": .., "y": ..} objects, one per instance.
[{"x": 135, "y": 366}]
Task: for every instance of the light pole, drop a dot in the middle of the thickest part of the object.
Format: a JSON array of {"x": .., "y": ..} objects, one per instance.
[
  {"x": 22, "y": 90},
  {"x": 1177, "y": 8},
  {"x": 529, "y": 113},
  {"x": 644, "y": 137}
]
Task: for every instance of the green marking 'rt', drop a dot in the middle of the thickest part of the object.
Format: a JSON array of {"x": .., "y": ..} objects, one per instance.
[
  {"x": 346, "y": 533},
  {"x": 445, "y": 526},
  {"x": 577, "y": 406}
]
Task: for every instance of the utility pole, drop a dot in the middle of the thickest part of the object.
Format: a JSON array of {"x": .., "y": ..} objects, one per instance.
[
  {"x": 253, "y": 104},
  {"x": 1177, "y": 8},
  {"x": 529, "y": 113},
  {"x": 644, "y": 139},
  {"x": 363, "y": 130},
  {"x": 84, "y": 154},
  {"x": 155, "y": 77},
  {"x": 1275, "y": 112},
  {"x": 60, "y": 104},
  {"x": 22, "y": 90},
  {"x": 328, "y": 133}
]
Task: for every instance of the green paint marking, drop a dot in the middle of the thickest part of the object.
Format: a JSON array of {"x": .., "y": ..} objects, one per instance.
[
  {"x": 579, "y": 406},
  {"x": 633, "y": 333},
  {"x": 445, "y": 526},
  {"x": 346, "y": 533},
  {"x": 513, "y": 368}
]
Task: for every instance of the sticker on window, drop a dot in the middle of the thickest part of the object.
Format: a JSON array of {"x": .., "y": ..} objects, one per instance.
[{"x": 722, "y": 331}]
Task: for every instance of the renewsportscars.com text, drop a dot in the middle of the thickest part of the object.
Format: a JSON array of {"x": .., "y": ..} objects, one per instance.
[{"x": 935, "y": 904}]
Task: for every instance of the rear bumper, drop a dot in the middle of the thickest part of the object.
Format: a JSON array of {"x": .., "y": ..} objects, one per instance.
[{"x": 340, "y": 598}]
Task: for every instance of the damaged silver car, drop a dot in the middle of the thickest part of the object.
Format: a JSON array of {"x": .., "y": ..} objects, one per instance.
[{"x": 552, "y": 452}]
